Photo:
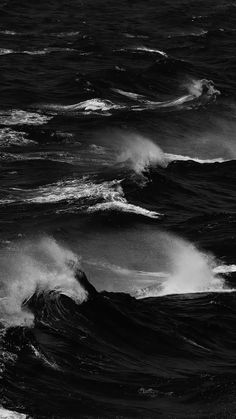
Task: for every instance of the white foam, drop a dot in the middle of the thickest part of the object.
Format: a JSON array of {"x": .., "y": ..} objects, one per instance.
[
  {"x": 111, "y": 193},
  {"x": 74, "y": 189},
  {"x": 9, "y": 414},
  {"x": 7, "y": 32},
  {"x": 87, "y": 107},
  {"x": 197, "y": 89},
  {"x": 45, "y": 51},
  {"x": 66, "y": 34},
  {"x": 20, "y": 117},
  {"x": 124, "y": 206},
  {"x": 225, "y": 269},
  {"x": 9, "y": 138},
  {"x": 175, "y": 157},
  {"x": 5, "y": 51},
  {"x": 152, "y": 50},
  {"x": 131, "y": 95}
]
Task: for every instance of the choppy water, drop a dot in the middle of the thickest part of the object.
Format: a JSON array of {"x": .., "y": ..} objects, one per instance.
[{"x": 117, "y": 158}]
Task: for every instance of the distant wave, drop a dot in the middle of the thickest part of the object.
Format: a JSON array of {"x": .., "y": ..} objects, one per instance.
[
  {"x": 65, "y": 34},
  {"x": 87, "y": 107},
  {"x": 143, "y": 49},
  {"x": 190, "y": 33},
  {"x": 44, "y": 51},
  {"x": 175, "y": 157},
  {"x": 200, "y": 92},
  {"x": 134, "y": 96},
  {"x": 7, "y": 32}
]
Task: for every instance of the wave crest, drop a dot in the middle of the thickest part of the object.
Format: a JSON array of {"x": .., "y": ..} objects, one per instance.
[{"x": 33, "y": 267}]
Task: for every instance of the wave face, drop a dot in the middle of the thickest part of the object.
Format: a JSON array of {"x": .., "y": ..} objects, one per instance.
[{"x": 117, "y": 209}]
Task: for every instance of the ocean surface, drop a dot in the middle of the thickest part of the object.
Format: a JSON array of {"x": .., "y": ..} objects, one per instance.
[{"x": 117, "y": 209}]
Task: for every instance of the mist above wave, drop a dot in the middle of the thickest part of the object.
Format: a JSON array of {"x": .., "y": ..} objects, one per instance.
[
  {"x": 189, "y": 270},
  {"x": 139, "y": 153},
  {"x": 31, "y": 267}
]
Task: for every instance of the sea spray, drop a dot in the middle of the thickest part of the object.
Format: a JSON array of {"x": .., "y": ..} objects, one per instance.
[
  {"x": 185, "y": 269},
  {"x": 191, "y": 270},
  {"x": 34, "y": 266},
  {"x": 139, "y": 153}
]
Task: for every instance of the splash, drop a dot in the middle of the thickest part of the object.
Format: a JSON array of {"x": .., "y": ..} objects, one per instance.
[
  {"x": 30, "y": 267},
  {"x": 140, "y": 153},
  {"x": 188, "y": 271},
  {"x": 198, "y": 88},
  {"x": 191, "y": 270}
]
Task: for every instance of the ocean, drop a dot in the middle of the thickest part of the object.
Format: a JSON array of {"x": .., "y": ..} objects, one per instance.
[{"x": 117, "y": 209}]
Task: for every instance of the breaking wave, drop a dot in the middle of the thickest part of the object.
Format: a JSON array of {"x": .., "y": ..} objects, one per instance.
[
  {"x": 33, "y": 267},
  {"x": 83, "y": 195},
  {"x": 189, "y": 270},
  {"x": 9, "y": 138},
  {"x": 200, "y": 92}
]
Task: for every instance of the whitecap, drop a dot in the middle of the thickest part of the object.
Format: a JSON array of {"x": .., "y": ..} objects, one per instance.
[
  {"x": 87, "y": 106},
  {"x": 5, "y": 51},
  {"x": 73, "y": 189},
  {"x": 66, "y": 34},
  {"x": 130, "y": 95},
  {"x": 45, "y": 51},
  {"x": 20, "y": 117},
  {"x": 10, "y": 414},
  {"x": 110, "y": 192},
  {"x": 152, "y": 50},
  {"x": 7, "y": 32},
  {"x": 31, "y": 267},
  {"x": 176, "y": 157},
  {"x": 124, "y": 206},
  {"x": 225, "y": 269},
  {"x": 9, "y": 138}
]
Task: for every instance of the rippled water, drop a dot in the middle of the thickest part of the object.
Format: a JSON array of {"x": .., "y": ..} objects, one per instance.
[{"x": 117, "y": 209}]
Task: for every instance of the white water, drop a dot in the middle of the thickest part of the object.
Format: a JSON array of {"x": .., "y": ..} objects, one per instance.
[
  {"x": 188, "y": 270},
  {"x": 85, "y": 107},
  {"x": 73, "y": 190},
  {"x": 33, "y": 266},
  {"x": 191, "y": 270},
  {"x": 9, "y": 414},
  {"x": 123, "y": 206},
  {"x": 20, "y": 117},
  {"x": 152, "y": 50},
  {"x": 139, "y": 153},
  {"x": 195, "y": 89},
  {"x": 9, "y": 137}
]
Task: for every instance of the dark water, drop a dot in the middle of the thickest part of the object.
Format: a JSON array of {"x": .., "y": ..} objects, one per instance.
[{"x": 117, "y": 136}]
